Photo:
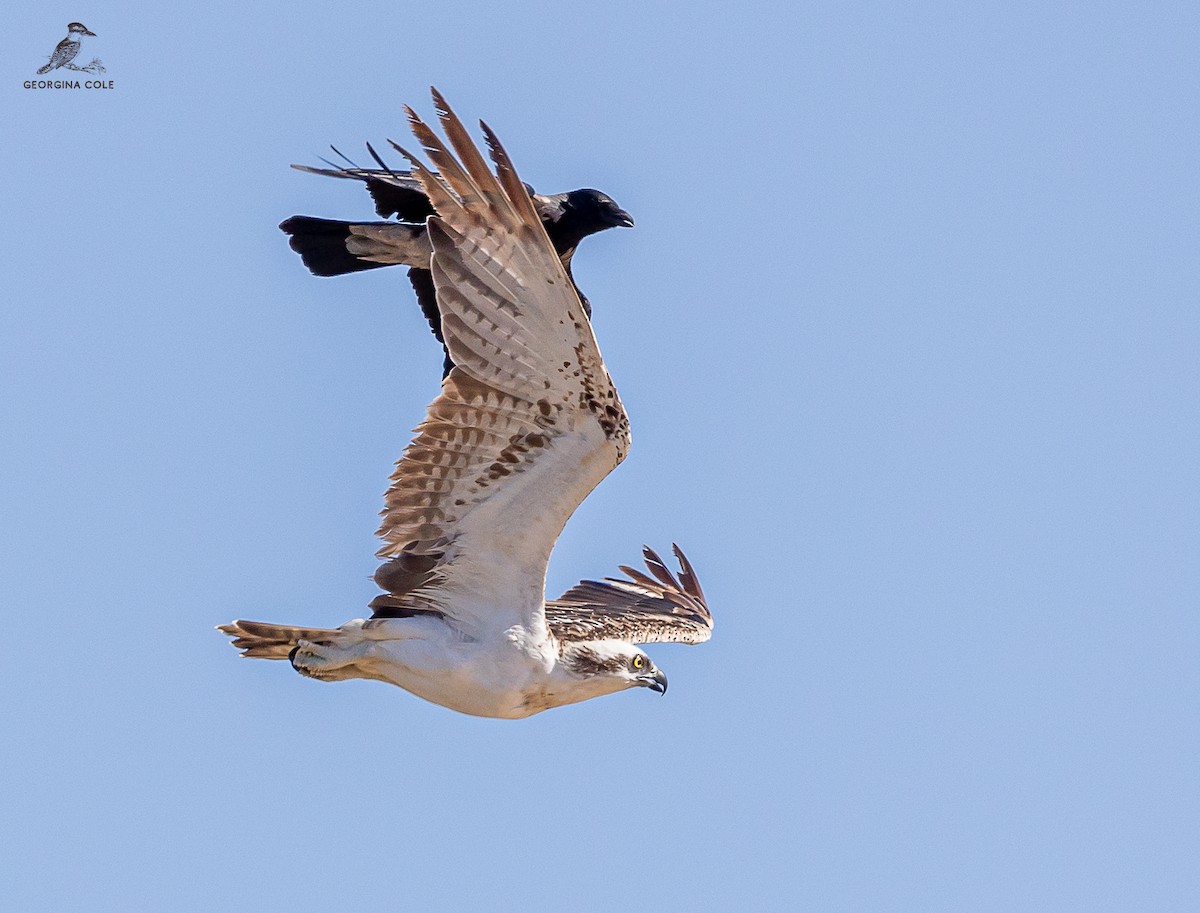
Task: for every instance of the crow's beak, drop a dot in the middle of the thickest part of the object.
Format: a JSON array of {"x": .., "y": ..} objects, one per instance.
[
  {"x": 656, "y": 682},
  {"x": 622, "y": 219}
]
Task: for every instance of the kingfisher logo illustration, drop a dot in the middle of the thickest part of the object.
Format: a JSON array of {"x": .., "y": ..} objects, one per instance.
[
  {"x": 68, "y": 58},
  {"x": 68, "y": 50}
]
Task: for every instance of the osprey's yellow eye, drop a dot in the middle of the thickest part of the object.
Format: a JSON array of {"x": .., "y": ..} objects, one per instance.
[{"x": 638, "y": 663}]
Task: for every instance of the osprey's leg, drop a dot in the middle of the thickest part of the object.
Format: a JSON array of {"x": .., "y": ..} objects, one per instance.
[
  {"x": 349, "y": 654},
  {"x": 327, "y": 662}
]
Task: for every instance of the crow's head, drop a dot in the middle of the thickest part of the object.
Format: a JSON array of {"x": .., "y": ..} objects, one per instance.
[
  {"x": 571, "y": 217},
  {"x": 596, "y": 209}
]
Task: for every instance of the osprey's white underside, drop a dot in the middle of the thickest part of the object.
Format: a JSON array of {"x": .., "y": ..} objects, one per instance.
[{"x": 512, "y": 676}]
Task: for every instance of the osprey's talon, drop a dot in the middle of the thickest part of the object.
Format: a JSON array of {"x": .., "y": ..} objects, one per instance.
[{"x": 309, "y": 659}]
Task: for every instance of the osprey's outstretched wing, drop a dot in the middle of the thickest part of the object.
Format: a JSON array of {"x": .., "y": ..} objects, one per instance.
[
  {"x": 527, "y": 423},
  {"x": 642, "y": 610}
]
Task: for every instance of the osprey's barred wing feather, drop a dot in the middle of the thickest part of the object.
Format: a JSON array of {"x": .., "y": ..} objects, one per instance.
[
  {"x": 642, "y": 610},
  {"x": 527, "y": 424},
  {"x": 401, "y": 194},
  {"x": 395, "y": 193}
]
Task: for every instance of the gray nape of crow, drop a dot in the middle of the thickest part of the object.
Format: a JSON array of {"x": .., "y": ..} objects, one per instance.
[{"x": 330, "y": 247}]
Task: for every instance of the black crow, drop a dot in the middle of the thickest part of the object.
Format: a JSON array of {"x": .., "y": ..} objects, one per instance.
[{"x": 331, "y": 248}]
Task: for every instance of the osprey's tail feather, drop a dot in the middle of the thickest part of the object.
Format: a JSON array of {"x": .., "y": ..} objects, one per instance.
[{"x": 263, "y": 640}]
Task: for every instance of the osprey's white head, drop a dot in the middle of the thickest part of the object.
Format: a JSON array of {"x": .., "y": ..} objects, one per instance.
[{"x": 605, "y": 666}]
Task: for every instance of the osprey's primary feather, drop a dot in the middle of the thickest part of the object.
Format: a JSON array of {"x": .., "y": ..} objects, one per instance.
[
  {"x": 527, "y": 424},
  {"x": 330, "y": 247},
  {"x": 641, "y": 610}
]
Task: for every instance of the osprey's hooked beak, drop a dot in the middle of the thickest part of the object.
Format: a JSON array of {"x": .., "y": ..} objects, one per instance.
[{"x": 656, "y": 682}]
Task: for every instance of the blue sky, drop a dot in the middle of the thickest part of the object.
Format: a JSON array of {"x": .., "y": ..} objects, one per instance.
[{"x": 908, "y": 333}]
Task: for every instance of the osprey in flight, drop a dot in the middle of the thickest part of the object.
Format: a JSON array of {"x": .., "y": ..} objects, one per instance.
[
  {"x": 330, "y": 247},
  {"x": 527, "y": 424}
]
